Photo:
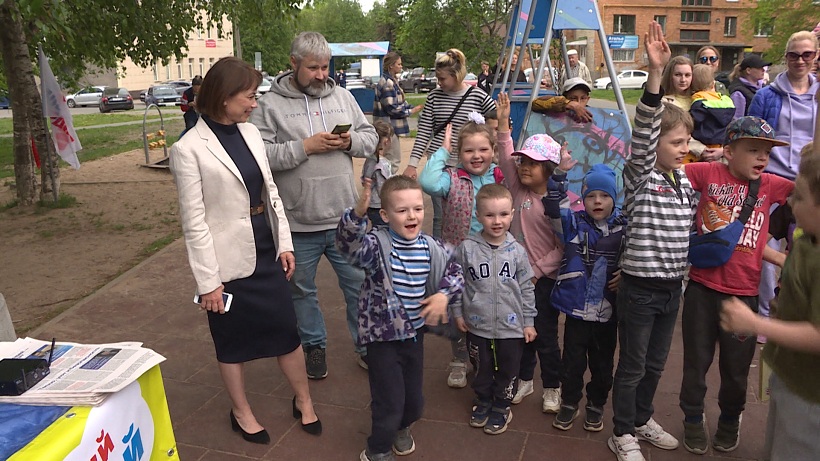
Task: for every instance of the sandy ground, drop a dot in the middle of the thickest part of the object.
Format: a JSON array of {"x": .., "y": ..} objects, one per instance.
[{"x": 53, "y": 258}]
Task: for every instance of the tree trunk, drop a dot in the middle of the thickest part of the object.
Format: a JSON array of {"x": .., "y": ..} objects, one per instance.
[
  {"x": 17, "y": 62},
  {"x": 50, "y": 187}
]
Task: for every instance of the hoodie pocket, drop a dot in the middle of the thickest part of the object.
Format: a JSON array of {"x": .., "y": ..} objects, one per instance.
[{"x": 322, "y": 199}]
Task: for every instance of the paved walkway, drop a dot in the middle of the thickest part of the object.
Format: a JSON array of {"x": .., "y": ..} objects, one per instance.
[{"x": 152, "y": 303}]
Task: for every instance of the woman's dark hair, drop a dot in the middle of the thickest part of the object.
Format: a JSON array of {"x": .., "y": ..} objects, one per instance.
[
  {"x": 228, "y": 77},
  {"x": 196, "y": 81}
]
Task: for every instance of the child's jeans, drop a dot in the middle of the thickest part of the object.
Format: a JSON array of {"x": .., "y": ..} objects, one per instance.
[
  {"x": 647, "y": 312},
  {"x": 496, "y": 364},
  {"x": 545, "y": 348},
  {"x": 701, "y": 331},
  {"x": 597, "y": 341},
  {"x": 395, "y": 370}
]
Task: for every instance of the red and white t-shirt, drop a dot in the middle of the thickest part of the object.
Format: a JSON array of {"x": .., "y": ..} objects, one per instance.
[{"x": 721, "y": 200}]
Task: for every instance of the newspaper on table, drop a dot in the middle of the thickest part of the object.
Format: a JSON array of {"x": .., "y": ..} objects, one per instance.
[{"x": 81, "y": 374}]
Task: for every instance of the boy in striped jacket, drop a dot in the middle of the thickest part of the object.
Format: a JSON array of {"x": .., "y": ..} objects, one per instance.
[{"x": 658, "y": 201}]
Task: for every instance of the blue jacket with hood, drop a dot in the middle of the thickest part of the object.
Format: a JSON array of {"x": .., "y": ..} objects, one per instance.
[{"x": 591, "y": 253}]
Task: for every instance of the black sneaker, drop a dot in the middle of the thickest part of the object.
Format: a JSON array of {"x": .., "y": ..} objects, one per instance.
[
  {"x": 694, "y": 437},
  {"x": 498, "y": 420},
  {"x": 727, "y": 437},
  {"x": 594, "y": 418},
  {"x": 404, "y": 443},
  {"x": 315, "y": 362},
  {"x": 566, "y": 415},
  {"x": 481, "y": 411}
]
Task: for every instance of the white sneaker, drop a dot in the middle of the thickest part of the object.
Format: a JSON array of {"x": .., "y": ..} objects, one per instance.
[
  {"x": 524, "y": 389},
  {"x": 653, "y": 433},
  {"x": 552, "y": 400},
  {"x": 458, "y": 375},
  {"x": 625, "y": 447}
]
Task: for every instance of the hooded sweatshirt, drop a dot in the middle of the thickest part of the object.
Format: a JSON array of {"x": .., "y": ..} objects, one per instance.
[
  {"x": 792, "y": 116},
  {"x": 499, "y": 296},
  {"x": 315, "y": 189}
]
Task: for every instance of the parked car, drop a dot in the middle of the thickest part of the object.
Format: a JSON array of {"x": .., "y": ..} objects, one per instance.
[
  {"x": 354, "y": 80},
  {"x": 163, "y": 96},
  {"x": 264, "y": 87},
  {"x": 626, "y": 79},
  {"x": 419, "y": 79},
  {"x": 5, "y": 102},
  {"x": 372, "y": 81},
  {"x": 116, "y": 99},
  {"x": 471, "y": 79},
  {"x": 179, "y": 85},
  {"x": 89, "y": 96}
]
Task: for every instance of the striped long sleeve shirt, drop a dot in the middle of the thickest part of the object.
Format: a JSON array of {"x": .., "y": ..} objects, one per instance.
[
  {"x": 659, "y": 208},
  {"x": 437, "y": 110}
]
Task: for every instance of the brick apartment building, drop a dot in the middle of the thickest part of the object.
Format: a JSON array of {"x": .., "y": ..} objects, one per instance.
[{"x": 688, "y": 25}]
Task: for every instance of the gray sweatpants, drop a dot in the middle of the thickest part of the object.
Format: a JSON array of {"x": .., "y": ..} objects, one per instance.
[{"x": 792, "y": 427}]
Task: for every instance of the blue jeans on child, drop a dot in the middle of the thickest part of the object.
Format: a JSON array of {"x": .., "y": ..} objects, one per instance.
[
  {"x": 308, "y": 250},
  {"x": 647, "y": 312}
]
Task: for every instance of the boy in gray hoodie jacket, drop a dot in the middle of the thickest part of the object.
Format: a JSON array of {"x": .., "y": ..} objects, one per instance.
[{"x": 498, "y": 312}]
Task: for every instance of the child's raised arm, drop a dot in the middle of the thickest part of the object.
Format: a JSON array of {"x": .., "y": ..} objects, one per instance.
[{"x": 658, "y": 54}]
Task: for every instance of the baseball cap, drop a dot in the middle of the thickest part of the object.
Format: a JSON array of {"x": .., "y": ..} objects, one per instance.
[
  {"x": 576, "y": 81},
  {"x": 750, "y": 127},
  {"x": 541, "y": 148},
  {"x": 754, "y": 61}
]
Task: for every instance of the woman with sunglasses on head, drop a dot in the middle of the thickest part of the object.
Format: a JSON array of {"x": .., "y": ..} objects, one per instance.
[
  {"x": 788, "y": 105},
  {"x": 709, "y": 55}
]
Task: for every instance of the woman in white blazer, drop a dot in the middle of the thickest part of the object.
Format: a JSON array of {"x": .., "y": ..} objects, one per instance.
[{"x": 239, "y": 242}]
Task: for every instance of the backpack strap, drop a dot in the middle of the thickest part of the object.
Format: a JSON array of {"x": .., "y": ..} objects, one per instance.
[{"x": 749, "y": 203}]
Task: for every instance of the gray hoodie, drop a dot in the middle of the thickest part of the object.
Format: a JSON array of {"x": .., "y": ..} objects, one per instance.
[
  {"x": 315, "y": 189},
  {"x": 499, "y": 296}
]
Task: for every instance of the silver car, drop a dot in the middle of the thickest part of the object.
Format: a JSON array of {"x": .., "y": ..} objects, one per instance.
[{"x": 89, "y": 96}]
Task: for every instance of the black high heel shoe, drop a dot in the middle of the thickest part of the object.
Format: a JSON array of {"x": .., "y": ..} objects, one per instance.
[
  {"x": 314, "y": 428},
  {"x": 260, "y": 437}
]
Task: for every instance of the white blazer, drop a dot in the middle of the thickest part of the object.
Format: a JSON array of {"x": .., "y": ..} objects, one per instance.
[{"x": 215, "y": 208}]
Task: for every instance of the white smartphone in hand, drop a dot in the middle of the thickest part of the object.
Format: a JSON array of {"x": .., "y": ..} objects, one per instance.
[{"x": 227, "y": 299}]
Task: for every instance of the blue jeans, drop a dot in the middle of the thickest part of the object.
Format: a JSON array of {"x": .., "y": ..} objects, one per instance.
[
  {"x": 647, "y": 312},
  {"x": 437, "y": 215},
  {"x": 308, "y": 249}
]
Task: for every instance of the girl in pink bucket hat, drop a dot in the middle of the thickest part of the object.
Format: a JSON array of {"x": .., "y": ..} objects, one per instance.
[{"x": 526, "y": 173}]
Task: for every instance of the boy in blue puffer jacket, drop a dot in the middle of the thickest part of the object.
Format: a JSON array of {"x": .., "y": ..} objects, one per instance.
[{"x": 585, "y": 288}]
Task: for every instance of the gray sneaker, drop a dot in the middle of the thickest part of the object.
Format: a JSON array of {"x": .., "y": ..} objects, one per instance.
[
  {"x": 727, "y": 437},
  {"x": 695, "y": 439},
  {"x": 315, "y": 362},
  {"x": 594, "y": 419},
  {"x": 404, "y": 443},
  {"x": 367, "y": 456},
  {"x": 566, "y": 415}
]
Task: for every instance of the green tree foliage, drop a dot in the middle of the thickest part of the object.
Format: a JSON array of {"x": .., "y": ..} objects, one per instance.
[
  {"x": 338, "y": 20},
  {"x": 785, "y": 17}
]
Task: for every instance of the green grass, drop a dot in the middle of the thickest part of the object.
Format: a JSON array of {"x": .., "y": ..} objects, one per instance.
[
  {"x": 101, "y": 142},
  {"x": 65, "y": 201},
  {"x": 84, "y": 120},
  {"x": 159, "y": 244},
  {"x": 630, "y": 96},
  {"x": 415, "y": 99}
]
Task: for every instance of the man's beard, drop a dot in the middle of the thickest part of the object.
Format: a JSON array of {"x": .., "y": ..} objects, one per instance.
[{"x": 314, "y": 88}]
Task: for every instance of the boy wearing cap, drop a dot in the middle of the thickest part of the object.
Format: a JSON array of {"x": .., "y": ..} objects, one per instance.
[
  {"x": 574, "y": 101},
  {"x": 750, "y": 77},
  {"x": 724, "y": 188},
  {"x": 586, "y": 287}
]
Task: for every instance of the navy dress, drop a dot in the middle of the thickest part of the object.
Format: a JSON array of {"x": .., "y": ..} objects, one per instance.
[{"x": 262, "y": 320}]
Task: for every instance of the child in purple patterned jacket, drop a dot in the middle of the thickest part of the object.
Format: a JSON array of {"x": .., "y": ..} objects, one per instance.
[{"x": 410, "y": 279}]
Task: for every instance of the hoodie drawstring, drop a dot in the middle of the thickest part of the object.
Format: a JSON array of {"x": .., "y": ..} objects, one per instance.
[{"x": 321, "y": 114}]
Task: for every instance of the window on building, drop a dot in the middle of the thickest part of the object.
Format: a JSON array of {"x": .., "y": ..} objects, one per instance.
[
  {"x": 210, "y": 62},
  {"x": 190, "y": 67},
  {"x": 179, "y": 70},
  {"x": 695, "y": 17},
  {"x": 624, "y": 24},
  {"x": 199, "y": 34},
  {"x": 694, "y": 35},
  {"x": 168, "y": 72},
  {"x": 662, "y": 21},
  {"x": 210, "y": 32},
  {"x": 156, "y": 71},
  {"x": 729, "y": 26},
  {"x": 201, "y": 66},
  {"x": 696, "y": 2},
  {"x": 623, "y": 55},
  {"x": 764, "y": 28}
]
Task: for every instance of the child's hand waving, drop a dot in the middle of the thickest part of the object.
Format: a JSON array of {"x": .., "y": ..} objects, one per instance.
[
  {"x": 448, "y": 135},
  {"x": 502, "y": 107},
  {"x": 567, "y": 162},
  {"x": 657, "y": 50},
  {"x": 364, "y": 198}
]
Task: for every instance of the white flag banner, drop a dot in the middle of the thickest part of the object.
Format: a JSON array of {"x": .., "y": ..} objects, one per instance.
[{"x": 56, "y": 109}]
